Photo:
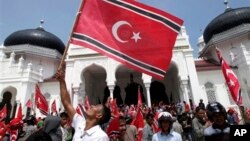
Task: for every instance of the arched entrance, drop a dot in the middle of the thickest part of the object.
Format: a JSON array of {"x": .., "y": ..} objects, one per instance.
[
  {"x": 94, "y": 79},
  {"x": 168, "y": 89},
  {"x": 128, "y": 81},
  {"x": 9, "y": 100}
]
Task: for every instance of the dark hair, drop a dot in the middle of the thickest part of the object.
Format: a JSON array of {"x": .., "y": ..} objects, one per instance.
[
  {"x": 197, "y": 109},
  {"x": 215, "y": 107},
  {"x": 149, "y": 115},
  {"x": 106, "y": 115},
  {"x": 39, "y": 136},
  {"x": 64, "y": 115},
  {"x": 30, "y": 120}
]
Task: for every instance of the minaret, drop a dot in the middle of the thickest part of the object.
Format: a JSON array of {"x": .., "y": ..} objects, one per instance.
[
  {"x": 226, "y": 4},
  {"x": 41, "y": 23}
]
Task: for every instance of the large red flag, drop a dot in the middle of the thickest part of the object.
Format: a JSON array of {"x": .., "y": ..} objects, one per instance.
[
  {"x": 41, "y": 101},
  {"x": 129, "y": 32},
  {"x": 53, "y": 107},
  {"x": 29, "y": 104},
  {"x": 3, "y": 112},
  {"x": 231, "y": 80}
]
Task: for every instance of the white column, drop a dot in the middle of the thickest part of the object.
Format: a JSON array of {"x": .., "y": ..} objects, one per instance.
[
  {"x": 147, "y": 85},
  {"x": 193, "y": 77},
  {"x": 75, "y": 94},
  {"x": 111, "y": 87},
  {"x": 184, "y": 84},
  {"x": 147, "y": 81},
  {"x": 18, "y": 103}
]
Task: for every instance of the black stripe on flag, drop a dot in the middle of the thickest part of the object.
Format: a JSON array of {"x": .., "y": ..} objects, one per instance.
[
  {"x": 149, "y": 14},
  {"x": 101, "y": 46}
]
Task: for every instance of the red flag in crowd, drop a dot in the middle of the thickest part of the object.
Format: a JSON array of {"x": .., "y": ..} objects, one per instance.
[
  {"x": 155, "y": 125},
  {"x": 29, "y": 104},
  {"x": 138, "y": 122},
  {"x": 53, "y": 107},
  {"x": 113, "y": 129},
  {"x": 231, "y": 79},
  {"x": 80, "y": 109},
  {"x": 133, "y": 40},
  {"x": 3, "y": 130},
  {"x": 86, "y": 102},
  {"x": 114, "y": 108},
  {"x": 20, "y": 112},
  {"x": 139, "y": 102},
  {"x": 3, "y": 112},
  {"x": 41, "y": 101},
  {"x": 15, "y": 125}
]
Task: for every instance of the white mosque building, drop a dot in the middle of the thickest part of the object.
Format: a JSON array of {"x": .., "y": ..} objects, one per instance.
[{"x": 32, "y": 56}]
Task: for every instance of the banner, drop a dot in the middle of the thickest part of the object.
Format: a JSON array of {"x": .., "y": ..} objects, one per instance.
[
  {"x": 41, "y": 101},
  {"x": 231, "y": 80},
  {"x": 136, "y": 35}
]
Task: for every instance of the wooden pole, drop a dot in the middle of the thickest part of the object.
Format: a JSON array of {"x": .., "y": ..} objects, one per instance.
[{"x": 67, "y": 46}]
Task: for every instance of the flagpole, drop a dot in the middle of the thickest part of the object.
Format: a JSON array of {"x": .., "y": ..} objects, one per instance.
[{"x": 67, "y": 46}]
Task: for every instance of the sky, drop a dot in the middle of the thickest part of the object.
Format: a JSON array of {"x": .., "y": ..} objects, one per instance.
[{"x": 59, "y": 15}]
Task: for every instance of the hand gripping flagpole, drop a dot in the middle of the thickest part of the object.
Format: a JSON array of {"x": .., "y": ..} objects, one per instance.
[{"x": 67, "y": 46}]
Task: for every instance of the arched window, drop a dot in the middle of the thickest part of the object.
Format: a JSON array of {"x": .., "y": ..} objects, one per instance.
[{"x": 210, "y": 92}]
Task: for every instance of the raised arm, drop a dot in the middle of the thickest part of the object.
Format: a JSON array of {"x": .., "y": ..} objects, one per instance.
[{"x": 65, "y": 98}]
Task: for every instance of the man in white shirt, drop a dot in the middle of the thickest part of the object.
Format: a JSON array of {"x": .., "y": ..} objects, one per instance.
[
  {"x": 166, "y": 133},
  {"x": 86, "y": 129}
]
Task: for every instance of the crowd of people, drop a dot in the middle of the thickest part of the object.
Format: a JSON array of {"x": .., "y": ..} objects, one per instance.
[{"x": 162, "y": 122}]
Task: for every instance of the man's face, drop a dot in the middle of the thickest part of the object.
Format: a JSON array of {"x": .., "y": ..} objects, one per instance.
[
  {"x": 201, "y": 114},
  {"x": 219, "y": 118},
  {"x": 165, "y": 125},
  {"x": 122, "y": 126},
  {"x": 150, "y": 120},
  {"x": 94, "y": 111},
  {"x": 64, "y": 120}
]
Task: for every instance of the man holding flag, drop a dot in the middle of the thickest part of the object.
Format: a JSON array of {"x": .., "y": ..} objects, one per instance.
[{"x": 86, "y": 129}]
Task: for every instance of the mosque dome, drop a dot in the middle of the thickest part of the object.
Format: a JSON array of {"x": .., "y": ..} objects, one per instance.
[
  {"x": 38, "y": 37},
  {"x": 227, "y": 20}
]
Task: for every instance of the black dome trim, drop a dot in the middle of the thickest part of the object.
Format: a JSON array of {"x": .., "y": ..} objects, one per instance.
[
  {"x": 38, "y": 37},
  {"x": 229, "y": 19}
]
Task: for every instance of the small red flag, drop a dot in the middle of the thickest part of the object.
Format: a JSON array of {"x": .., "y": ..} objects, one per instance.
[
  {"x": 20, "y": 112},
  {"x": 86, "y": 102},
  {"x": 41, "y": 101},
  {"x": 3, "y": 112},
  {"x": 114, "y": 108},
  {"x": 138, "y": 122},
  {"x": 231, "y": 79},
  {"x": 155, "y": 125},
  {"x": 80, "y": 109},
  {"x": 29, "y": 104},
  {"x": 129, "y": 32},
  {"x": 113, "y": 129},
  {"x": 53, "y": 107},
  {"x": 139, "y": 103}
]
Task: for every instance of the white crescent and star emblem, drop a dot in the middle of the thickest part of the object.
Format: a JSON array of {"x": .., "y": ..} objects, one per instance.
[
  {"x": 229, "y": 71},
  {"x": 231, "y": 83},
  {"x": 117, "y": 25}
]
